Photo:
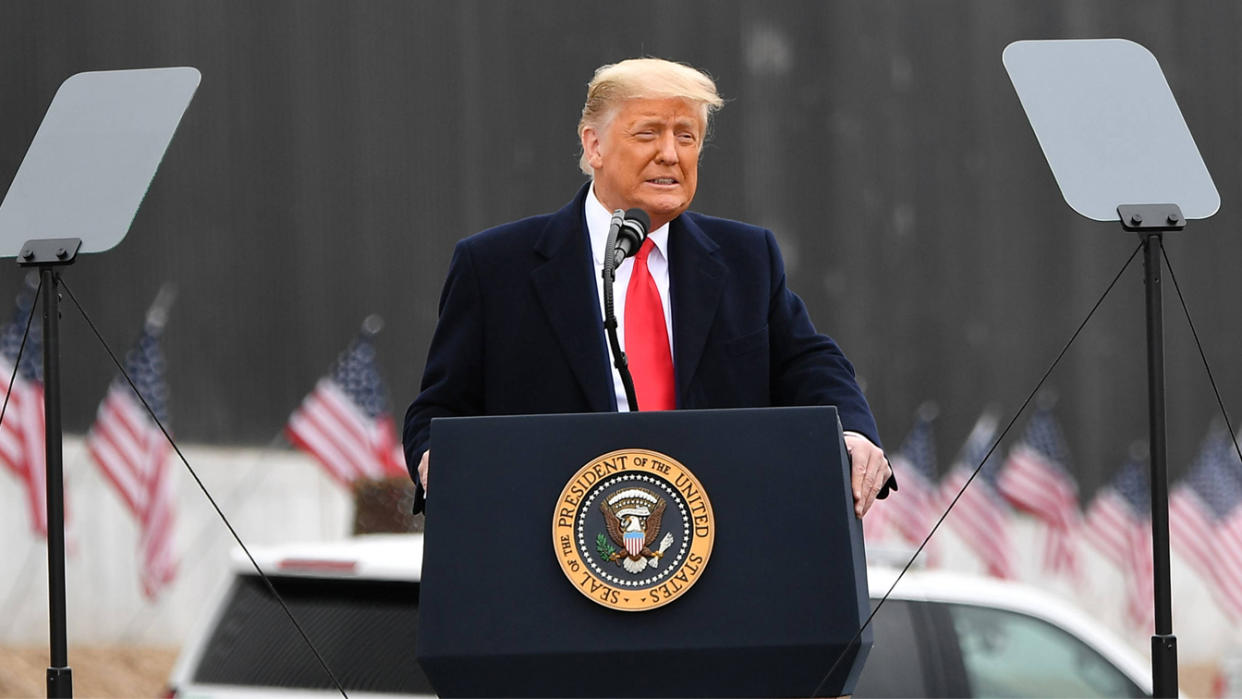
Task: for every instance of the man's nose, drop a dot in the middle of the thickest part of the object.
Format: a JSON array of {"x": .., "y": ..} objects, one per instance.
[{"x": 668, "y": 149}]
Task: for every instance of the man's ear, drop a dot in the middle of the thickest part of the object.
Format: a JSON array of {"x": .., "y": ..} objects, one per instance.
[{"x": 591, "y": 147}]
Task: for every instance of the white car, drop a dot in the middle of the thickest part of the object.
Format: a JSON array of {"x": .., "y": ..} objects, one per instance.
[
  {"x": 357, "y": 601},
  {"x": 944, "y": 634},
  {"x": 940, "y": 634}
]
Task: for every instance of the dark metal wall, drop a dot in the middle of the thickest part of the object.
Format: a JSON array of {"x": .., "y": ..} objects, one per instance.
[{"x": 337, "y": 150}]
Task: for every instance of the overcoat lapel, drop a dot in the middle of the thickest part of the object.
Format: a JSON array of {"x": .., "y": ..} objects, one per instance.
[
  {"x": 567, "y": 293},
  {"x": 697, "y": 277}
]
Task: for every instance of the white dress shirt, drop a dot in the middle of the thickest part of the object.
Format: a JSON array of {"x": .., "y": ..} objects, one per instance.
[{"x": 597, "y": 218}]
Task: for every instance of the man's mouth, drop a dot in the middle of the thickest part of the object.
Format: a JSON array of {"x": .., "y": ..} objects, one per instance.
[{"x": 662, "y": 180}]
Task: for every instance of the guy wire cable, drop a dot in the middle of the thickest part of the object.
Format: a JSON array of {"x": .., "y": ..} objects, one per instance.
[
  {"x": 974, "y": 473},
  {"x": 21, "y": 348},
  {"x": 1202, "y": 355},
  {"x": 239, "y": 496},
  {"x": 271, "y": 588}
]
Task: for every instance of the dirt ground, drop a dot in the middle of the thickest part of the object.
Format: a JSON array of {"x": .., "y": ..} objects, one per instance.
[{"x": 98, "y": 671}]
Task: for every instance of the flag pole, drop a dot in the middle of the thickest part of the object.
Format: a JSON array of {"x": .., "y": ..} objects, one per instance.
[{"x": 47, "y": 255}]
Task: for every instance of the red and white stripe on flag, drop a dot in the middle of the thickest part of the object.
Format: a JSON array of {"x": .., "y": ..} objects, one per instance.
[
  {"x": 1108, "y": 525},
  {"x": 1191, "y": 531},
  {"x": 980, "y": 519},
  {"x": 1229, "y": 563},
  {"x": 343, "y": 439},
  {"x": 22, "y": 445},
  {"x": 1140, "y": 583},
  {"x": 1213, "y": 549},
  {"x": 159, "y": 556},
  {"x": 877, "y": 523},
  {"x": 133, "y": 454},
  {"x": 919, "y": 508},
  {"x": 1126, "y": 541},
  {"x": 1033, "y": 484}
]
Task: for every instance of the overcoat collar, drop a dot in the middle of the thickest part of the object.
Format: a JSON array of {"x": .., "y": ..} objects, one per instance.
[{"x": 566, "y": 289}]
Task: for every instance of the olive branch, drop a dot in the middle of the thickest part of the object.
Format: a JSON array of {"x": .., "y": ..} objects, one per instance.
[{"x": 604, "y": 548}]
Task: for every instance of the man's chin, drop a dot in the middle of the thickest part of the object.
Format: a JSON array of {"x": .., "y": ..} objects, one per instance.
[{"x": 664, "y": 210}]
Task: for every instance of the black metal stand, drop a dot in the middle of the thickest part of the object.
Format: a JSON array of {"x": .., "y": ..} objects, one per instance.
[
  {"x": 1150, "y": 222},
  {"x": 47, "y": 255}
]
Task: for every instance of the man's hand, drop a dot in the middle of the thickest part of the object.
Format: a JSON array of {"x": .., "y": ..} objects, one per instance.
[
  {"x": 868, "y": 467},
  {"x": 422, "y": 470}
]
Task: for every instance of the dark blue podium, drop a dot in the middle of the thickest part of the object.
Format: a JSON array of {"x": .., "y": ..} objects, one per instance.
[{"x": 779, "y": 600}]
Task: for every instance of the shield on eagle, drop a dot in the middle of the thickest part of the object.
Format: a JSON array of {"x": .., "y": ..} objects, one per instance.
[{"x": 634, "y": 542}]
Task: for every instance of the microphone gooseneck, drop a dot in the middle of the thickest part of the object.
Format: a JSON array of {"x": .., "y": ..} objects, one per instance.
[{"x": 631, "y": 234}]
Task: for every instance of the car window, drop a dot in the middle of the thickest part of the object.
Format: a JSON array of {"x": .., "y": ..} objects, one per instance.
[
  {"x": 1008, "y": 654},
  {"x": 895, "y": 667},
  {"x": 364, "y": 629}
]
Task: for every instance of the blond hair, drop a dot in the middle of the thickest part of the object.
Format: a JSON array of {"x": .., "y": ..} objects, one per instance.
[{"x": 643, "y": 78}]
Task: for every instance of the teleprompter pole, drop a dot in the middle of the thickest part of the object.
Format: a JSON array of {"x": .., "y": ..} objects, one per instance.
[
  {"x": 1151, "y": 221},
  {"x": 59, "y": 676},
  {"x": 1163, "y": 643},
  {"x": 47, "y": 255}
]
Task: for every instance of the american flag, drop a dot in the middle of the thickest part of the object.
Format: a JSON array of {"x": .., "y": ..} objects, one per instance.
[
  {"x": 344, "y": 422},
  {"x": 22, "y": 446},
  {"x": 878, "y": 522},
  {"x": 133, "y": 453},
  {"x": 980, "y": 516},
  {"x": 916, "y": 462},
  {"x": 1205, "y": 520},
  {"x": 1118, "y": 523},
  {"x": 1036, "y": 478}
]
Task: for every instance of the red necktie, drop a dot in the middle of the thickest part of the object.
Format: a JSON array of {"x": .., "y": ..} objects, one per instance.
[{"x": 646, "y": 338}]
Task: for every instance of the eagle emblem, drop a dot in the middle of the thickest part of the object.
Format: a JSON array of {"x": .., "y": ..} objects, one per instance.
[
  {"x": 656, "y": 559},
  {"x": 632, "y": 518}
]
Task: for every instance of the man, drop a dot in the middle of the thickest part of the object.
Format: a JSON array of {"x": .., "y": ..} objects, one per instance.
[{"x": 521, "y": 331}]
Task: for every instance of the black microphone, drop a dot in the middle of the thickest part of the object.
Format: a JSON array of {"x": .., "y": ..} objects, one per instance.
[{"x": 631, "y": 234}]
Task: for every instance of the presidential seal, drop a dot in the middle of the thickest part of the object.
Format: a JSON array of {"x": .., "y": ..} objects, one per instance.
[{"x": 633, "y": 530}]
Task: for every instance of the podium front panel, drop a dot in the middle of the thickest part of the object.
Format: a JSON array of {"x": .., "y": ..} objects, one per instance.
[{"x": 779, "y": 600}]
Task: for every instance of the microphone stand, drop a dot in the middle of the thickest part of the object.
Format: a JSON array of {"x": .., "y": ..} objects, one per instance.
[{"x": 610, "y": 319}]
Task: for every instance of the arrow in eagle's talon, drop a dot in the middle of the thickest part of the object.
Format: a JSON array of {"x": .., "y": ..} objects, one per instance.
[{"x": 666, "y": 542}]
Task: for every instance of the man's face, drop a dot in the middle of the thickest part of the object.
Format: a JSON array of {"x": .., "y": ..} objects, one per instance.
[{"x": 647, "y": 157}]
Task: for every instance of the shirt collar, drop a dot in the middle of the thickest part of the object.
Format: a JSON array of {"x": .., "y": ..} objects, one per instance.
[{"x": 598, "y": 217}]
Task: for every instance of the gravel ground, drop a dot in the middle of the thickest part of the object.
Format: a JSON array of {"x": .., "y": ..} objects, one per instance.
[{"x": 98, "y": 671}]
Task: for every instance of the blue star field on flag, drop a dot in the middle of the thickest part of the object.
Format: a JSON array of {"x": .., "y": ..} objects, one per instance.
[{"x": 356, "y": 373}]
